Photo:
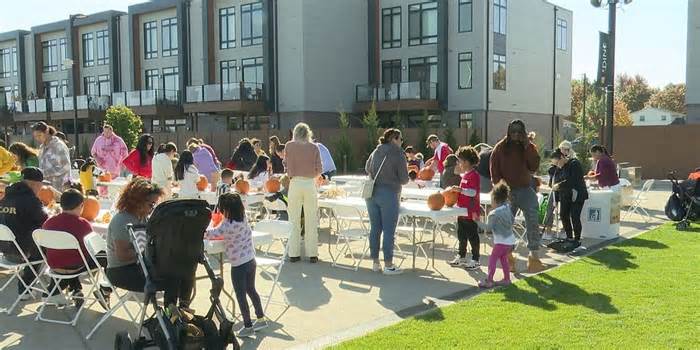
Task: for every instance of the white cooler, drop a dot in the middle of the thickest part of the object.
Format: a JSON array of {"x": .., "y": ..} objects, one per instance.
[{"x": 601, "y": 215}]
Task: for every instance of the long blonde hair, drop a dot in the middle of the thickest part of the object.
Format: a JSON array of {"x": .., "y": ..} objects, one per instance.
[{"x": 302, "y": 133}]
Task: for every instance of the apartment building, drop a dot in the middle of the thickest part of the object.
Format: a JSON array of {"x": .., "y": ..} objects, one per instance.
[
  {"x": 692, "y": 95},
  {"x": 212, "y": 65},
  {"x": 449, "y": 57},
  {"x": 12, "y": 71}
]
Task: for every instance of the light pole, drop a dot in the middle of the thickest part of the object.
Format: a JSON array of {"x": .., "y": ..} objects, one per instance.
[{"x": 72, "y": 63}]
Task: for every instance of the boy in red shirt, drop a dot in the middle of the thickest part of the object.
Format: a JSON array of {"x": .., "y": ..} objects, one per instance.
[
  {"x": 468, "y": 189},
  {"x": 69, "y": 261}
]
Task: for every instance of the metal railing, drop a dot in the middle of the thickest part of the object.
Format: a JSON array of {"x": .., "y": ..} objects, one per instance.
[
  {"x": 63, "y": 104},
  {"x": 139, "y": 98},
  {"x": 225, "y": 92},
  {"x": 412, "y": 90}
]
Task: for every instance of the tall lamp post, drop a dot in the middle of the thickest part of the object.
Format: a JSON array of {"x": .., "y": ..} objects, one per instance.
[
  {"x": 69, "y": 62},
  {"x": 610, "y": 80}
]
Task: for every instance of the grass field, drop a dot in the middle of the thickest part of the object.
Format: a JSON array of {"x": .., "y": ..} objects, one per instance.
[{"x": 639, "y": 293}]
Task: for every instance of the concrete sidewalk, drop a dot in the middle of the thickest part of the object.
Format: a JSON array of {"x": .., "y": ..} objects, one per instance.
[{"x": 328, "y": 304}]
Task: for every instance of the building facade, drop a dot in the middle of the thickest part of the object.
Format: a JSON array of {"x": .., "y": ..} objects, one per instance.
[
  {"x": 206, "y": 65},
  {"x": 650, "y": 116},
  {"x": 692, "y": 96}
]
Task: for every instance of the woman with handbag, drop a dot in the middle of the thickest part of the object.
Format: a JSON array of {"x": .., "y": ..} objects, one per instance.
[{"x": 388, "y": 171}]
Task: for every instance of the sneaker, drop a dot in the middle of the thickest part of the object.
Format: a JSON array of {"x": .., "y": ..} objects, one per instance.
[
  {"x": 246, "y": 332},
  {"x": 457, "y": 262},
  {"x": 376, "y": 267},
  {"x": 294, "y": 259},
  {"x": 260, "y": 323},
  {"x": 56, "y": 299},
  {"x": 390, "y": 271},
  {"x": 534, "y": 265},
  {"x": 104, "y": 300},
  {"x": 313, "y": 259},
  {"x": 472, "y": 265}
]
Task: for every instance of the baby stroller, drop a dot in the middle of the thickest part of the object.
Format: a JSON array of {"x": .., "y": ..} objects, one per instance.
[
  {"x": 172, "y": 248},
  {"x": 683, "y": 206}
]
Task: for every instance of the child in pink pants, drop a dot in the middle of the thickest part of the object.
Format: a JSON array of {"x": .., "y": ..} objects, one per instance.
[{"x": 500, "y": 223}]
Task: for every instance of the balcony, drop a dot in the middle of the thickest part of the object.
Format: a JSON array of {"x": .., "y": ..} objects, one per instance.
[
  {"x": 225, "y": 97},
  {"x": 406, "y": 96},
  {"x": 61, "y": 108},
  {"x": 150, "y": 102}
]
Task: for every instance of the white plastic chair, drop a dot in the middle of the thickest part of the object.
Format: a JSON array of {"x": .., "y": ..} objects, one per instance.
[
  {"x": 639, "y": 199},
  {"x": 270, "y": 266},
  {"x": 94, "y": 244},
  {"x": 273, "y": 206},
  {"x": 59, "y": 240},
  {"x": 405, "y": 229},
  {"x": 345, "y": 218},
  {"x": 15, "y": 269}
]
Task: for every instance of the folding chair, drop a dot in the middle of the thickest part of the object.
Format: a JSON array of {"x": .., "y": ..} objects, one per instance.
[
  {"x": 639, "y": 200},
  {"x": 345, "y": 217},
  {"x": 273, "y": 206},
  {"x": 273, "y": 267},
  {"x": 94, "y": 244},
  {"x": 15, "y": 269},
  {"x": 47, "y": 239},
  {"x": 405, "y": 229}
]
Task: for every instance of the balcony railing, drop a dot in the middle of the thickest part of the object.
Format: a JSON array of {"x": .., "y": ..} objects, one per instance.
[
  {"x": 139, "y": 98},
  {"x": 225, "y": 92},
  {"x": 64, "y": 104},
  {"x": 412, "y": 90}
]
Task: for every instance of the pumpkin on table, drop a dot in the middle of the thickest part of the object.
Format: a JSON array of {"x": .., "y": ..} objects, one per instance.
[
  {"x": 272, "y": 185},
  {"x": 46, "y": 196},
  {"x": 450, "y": 197},
  {"x": 426, "y": 174},
  {"x": 91, "y": 208},
  {"x": 436, "y": 201},
  {"x": 203, "y": 183},
  {"x": 106, "y": 177},
  {"x": 242, "y": 186}
]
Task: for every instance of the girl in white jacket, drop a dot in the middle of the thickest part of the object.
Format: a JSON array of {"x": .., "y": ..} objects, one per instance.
[{"x": 187, "y": 176}]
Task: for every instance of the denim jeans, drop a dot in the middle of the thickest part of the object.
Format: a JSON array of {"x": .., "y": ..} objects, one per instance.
[
  {"x": 525, "y": 199},
  {"x": 383, "y": 209},
  {"x": 243, "y": 279}
]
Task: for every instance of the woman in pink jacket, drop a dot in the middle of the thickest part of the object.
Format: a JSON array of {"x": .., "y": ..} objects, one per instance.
[{"x": 109, "y": 150}]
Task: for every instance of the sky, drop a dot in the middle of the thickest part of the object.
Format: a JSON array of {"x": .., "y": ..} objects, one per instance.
[{"x": 651, "y": 34}]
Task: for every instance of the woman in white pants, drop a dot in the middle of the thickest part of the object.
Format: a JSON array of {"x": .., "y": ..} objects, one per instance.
[{"x": 303, "y": 162}]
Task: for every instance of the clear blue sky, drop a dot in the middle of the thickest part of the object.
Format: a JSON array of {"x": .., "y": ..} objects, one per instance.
[{"x": 651, "y": 35}]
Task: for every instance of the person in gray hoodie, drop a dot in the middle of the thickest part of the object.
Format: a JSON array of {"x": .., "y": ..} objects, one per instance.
[{"x": 388, "y": 167}]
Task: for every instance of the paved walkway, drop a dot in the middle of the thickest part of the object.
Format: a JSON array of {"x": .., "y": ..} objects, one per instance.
[{"x": 327, "y": 304}]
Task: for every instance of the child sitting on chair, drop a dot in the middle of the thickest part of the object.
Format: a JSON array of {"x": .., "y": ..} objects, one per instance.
[
  {"x": 240, "y": 252},
  {"x": 500, "y": 223},
  {"x": 281, "y": 196},
  {"x": 225, "y": 183}
]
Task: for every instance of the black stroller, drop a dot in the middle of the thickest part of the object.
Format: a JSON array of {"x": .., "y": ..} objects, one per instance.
[
  {"x": 683, "y": 206},
  {"x": 171, "y": 248}
]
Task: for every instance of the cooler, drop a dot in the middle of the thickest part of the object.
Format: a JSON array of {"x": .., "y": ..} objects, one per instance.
[{"x": 601, "y": 215}]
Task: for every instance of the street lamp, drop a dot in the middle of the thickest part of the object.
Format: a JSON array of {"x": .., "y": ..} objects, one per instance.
[{"x": 71, "y": 63}]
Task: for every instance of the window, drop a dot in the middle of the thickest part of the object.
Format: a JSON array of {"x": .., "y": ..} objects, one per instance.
[
  {"x": 562, "y": 34},
  {"x": 51, "y": 89},
  {"x": 500, "y": 15},
  {"x": 465, "y": 16},
  {"x": 227, "y": 28},
  {"x": 391, "y": 27},
  {"x": 89, "y": 86},
  {"x": 14, "y": 61},
  {"x": 49, "y": 54},
  {"x": 88, "y": 50},
  {"x": 62, "y": 52},
  {"x": 251, "y": 24},
  {"x": 663, "y": 118},
  {"x": 64, "y": 89},
  {"x": 6, "y": 96},
  {"x": 170, "y": 125},
  {"x": 169, "y": 40},
  {"x": 253, "y": 70},
  {"x": 102, "y": 47},
  {"x": 642, "y": 118},
  {"x": 465, "y": 70},
  {"x": 103, "y": 85},
  {"x": 423, "y": 69},
  {"x": 151, "y": 79},
  {"x": 391, "y": 72},
  {"x": 5, "y": 63},
  {"x": 150, "y": 40},
  {"x": 466, "y": 120},
  {"x": 171, "y": 79},
  {"x": 499, "y": 72},
  {"x": 422, "y": 23},
  {"x": 229, "y": 72}
]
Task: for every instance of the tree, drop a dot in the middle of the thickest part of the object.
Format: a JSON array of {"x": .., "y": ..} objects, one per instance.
[
  {"x": 423, "y": 135},
  {"x": 449, "y": 137},
  {"x": 343, "y": 146},
  {"x": 671, "y": 97},
  {"x": 622, "y": 114},
  {"x": 370, "y": 122},
  {"x": 635, "y": 92},
  {"x": 474, "y": 139},
  {"x": 125, "y": 123}
]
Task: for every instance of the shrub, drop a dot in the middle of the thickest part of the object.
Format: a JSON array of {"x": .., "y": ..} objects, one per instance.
[
  {"x": 125, "y": 123},
  {"x": 343, "y": 147},
  {"x": 370, "y": 122}
]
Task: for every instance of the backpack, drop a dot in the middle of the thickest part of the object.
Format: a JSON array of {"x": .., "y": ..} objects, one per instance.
[{"x": 674, "y": 208}]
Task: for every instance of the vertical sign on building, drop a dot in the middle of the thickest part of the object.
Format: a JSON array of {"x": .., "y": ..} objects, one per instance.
[{"x": 603, "y": 60}]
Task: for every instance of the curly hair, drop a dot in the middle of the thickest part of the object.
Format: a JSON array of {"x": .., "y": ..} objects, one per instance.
[
  {"x": 469, "y": 154},
  {"x": 23, "y": 152},
  {"x": 500, "y": 192},
  {"x": 135, "y": 196}
]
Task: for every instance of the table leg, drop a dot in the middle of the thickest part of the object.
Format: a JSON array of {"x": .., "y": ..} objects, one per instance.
[
  {"x": 414, "y": 241},
  {"x": 433, "y": 243}
]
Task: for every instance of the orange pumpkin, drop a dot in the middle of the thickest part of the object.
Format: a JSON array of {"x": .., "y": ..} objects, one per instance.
[
  {"x": 242, "y": 186},
  {"x": 107, "y": 217},
  {"x": 450, "y": 197},
  {"x": 414, "y": 168},
  {"x": 216, "y": 218},
  {"x": 203, "y": 183},
  {"x": 46, "y": 196},
  {"x": 272, "y": 185},
  {"x": 426, "y": 174},
  {"x": 106, "y": 177},
  {"x": 436, "y": 201},
  {"x": 91, "y": 207}
]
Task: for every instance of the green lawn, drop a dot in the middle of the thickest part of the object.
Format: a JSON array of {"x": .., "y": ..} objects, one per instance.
[{"x": 640, "y": 293}]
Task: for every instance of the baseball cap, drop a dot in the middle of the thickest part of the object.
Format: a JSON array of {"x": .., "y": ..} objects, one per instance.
[{"x": 32, "y": 174}]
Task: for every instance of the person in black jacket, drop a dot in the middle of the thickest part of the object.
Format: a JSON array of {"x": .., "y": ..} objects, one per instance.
[
  {"x": 484, "y": 170},
  {"x": 22, "y": 212},
  {"x": 570, "y": 188}
]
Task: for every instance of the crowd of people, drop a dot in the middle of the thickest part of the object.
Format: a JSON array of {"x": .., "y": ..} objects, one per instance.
[{"x": 506, "y": 171}]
